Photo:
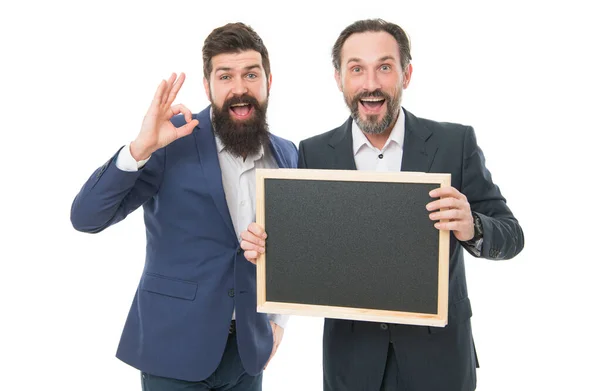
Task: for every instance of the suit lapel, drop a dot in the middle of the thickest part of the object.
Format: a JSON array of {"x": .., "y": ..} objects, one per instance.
[
  {"x": 277, "y": 154},
  {"x": 418, "y": 150},
  {"x": 341, "y": 142},
  {"x": 209, "y": 160}
]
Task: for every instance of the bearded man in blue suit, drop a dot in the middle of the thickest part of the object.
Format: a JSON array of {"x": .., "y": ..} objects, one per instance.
[{"x": 193, "y": 323}]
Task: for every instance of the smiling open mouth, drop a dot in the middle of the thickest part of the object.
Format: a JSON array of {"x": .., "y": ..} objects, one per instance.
[
  {"x": 372, "y": 104},
  {"x": 241, "y": 110}
]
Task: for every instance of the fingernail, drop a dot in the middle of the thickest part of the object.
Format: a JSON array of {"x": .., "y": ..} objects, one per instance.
[
  {"x": 262, "y": 250},
  {"x": 437, "y": 225},
  {"x": 264, "y": 236}
]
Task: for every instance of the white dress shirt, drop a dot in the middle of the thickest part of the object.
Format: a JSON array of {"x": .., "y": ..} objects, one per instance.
[{"x": 239, "y": 184}]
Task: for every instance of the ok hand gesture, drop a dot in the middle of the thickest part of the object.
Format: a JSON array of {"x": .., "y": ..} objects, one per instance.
[{"x": 157, "y": 130}]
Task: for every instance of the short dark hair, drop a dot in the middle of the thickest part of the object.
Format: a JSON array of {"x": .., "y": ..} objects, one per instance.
[
  {"x": 233, "y": 38},
  {"x": 373, "y": 25}
]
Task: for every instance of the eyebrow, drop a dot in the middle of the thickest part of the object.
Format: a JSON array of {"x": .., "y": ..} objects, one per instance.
[
  {"x": 381, "y": 59},
  {"x": 227, "y": 69}
]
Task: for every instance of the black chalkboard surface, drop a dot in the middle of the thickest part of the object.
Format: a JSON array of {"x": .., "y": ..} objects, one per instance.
[{"x": 352, "y": 245}]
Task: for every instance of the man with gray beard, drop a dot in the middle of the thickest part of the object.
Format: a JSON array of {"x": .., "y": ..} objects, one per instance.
[{"x": 372, "y": 63}]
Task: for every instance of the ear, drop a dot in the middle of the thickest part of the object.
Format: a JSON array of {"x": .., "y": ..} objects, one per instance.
[
  {"x": 269, "y": 82},
  {"x": 338, "y": 80},
  {"x": 407, "y": 75},
  {"x": 207, "y": 89}
]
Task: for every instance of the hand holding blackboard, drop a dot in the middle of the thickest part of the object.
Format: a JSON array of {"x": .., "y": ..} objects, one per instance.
[
  {"x": 253, "y": 242},
  {"x": 454, "y": 207}
]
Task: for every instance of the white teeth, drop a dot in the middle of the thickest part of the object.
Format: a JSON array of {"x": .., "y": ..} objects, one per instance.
[
  {"x": 372, "y": 100},
  {"x": 240, "y": 104}
]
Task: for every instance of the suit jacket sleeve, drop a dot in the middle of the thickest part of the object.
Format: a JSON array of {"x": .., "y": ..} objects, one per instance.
[
  {"x": 502, "y": 235},
  {"x": 110, "y": 194}
]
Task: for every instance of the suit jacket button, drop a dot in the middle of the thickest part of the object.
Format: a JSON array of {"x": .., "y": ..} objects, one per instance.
[
  {"x": 383, "y": 326},
  {"x": 231, "y": 293},
  {"x": 239, "y": 250}
]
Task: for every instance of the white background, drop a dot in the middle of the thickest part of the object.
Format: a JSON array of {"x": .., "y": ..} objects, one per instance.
[{"x": 77, "y": 78}]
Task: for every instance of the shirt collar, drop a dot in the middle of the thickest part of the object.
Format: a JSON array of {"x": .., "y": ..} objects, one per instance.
[{"x": 397, "y": 135}]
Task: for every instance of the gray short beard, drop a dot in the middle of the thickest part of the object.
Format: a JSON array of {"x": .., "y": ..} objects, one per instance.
[{"x": 370, "y": 125}]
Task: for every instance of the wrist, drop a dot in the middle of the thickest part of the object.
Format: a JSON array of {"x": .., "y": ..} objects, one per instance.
[{"x": 138, "y": 151}]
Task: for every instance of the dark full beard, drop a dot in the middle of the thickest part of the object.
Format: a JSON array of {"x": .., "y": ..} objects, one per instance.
[
  {"x": 371, "y": 125},
  {"x": 241, "y": 138}
]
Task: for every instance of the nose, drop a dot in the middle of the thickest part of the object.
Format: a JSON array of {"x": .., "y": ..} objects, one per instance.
[
  {"x": 239, "y": 87},
  {"x": 372, "y": 82}
]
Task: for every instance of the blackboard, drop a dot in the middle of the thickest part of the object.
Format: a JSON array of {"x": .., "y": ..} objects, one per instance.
[{"x": 352, "y": 245}]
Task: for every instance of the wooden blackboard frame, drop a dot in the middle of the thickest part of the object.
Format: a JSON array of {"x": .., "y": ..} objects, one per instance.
[{"x": 439, "y": 319}]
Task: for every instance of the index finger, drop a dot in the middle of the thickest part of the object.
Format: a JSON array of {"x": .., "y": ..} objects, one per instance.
[
  {"x": 257, "y": 230},
  {"x": 446, "y": 191}
]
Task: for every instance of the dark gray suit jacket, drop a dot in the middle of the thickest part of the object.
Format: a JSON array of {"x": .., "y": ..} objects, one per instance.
[{"x": 430, "y": 358}]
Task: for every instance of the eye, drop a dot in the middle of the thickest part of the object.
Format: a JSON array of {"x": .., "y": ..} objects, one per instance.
[
  {"x": 355, "y": 69},
  {"x": 224, "y": 77},
  {"x": 386, "y": 68},
  {"x": 252, "y": 76}
]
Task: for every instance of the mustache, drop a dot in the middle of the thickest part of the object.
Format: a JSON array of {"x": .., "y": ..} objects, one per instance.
[
  {"x": 371, "y": 94},
  {"x": 245, "y": 98}
]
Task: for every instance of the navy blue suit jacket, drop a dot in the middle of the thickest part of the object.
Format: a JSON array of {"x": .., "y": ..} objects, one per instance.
[
  {"x": 195, "y": 272},
  {"x": 429, "y": 358}
]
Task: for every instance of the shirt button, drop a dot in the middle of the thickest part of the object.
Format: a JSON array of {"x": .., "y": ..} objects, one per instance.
[
  {"x": 380, "y": 156},
  {"x": 231, "y": 293},
  {"x": 383, "y": 326},
  {"x": 243, "y": 203}
]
